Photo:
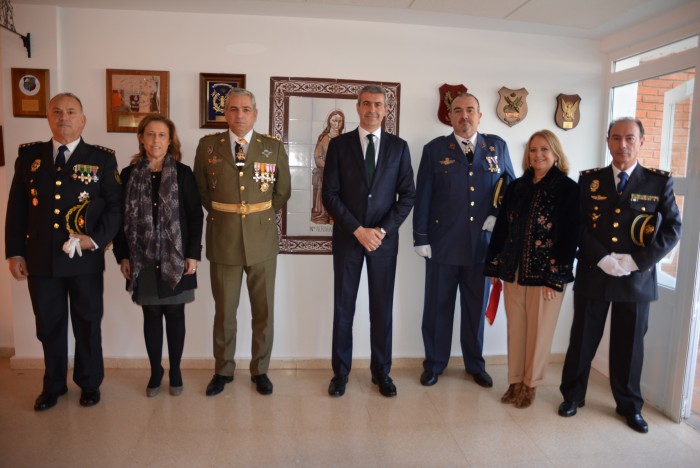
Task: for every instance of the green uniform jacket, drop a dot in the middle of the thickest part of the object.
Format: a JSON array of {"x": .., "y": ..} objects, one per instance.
[{"x": 232, "y": 238}]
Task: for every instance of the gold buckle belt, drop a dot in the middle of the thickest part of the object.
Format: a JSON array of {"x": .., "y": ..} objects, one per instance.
[{"x": 242, "y": 208}]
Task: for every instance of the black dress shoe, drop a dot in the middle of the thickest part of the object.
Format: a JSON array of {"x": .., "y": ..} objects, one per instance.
[
  {"x": 568, "y": 408},
  {"x": 216, "y": 384},
  {"x": 428, "y": 378},
  {"x": 386, "y": 385},
  {"x": 262, "y": 384},
  {"x": 635, "y": 421},
  {"x": 89, "y": 397},
  {"x": 483, "y": 379},
  {"x": 337, "y": 385},
  {"x": 48, "y": 400}
]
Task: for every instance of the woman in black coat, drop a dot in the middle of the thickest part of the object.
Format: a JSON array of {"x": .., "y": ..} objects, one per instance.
[
  {"x": 160, "y": 244},
  {"x": 532, "y": 249}
]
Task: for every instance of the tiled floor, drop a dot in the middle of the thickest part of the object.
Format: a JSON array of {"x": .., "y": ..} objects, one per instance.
[{"x": 454, "y": 423}]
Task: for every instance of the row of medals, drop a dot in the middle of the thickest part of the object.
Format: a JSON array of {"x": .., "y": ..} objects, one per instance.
[{"x": 264, "y": 172}]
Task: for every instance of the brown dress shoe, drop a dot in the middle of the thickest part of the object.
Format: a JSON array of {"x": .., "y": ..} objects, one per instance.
[
  {"x": 526, "y": 397},
  {"x": 512, "y": 393}
]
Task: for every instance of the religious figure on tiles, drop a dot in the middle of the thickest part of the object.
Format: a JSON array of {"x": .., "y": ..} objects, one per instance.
[{"x": 335, "y": 125}]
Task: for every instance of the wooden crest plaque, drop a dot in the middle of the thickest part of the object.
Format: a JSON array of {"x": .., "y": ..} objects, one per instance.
[
  {"x": 512, "y": 105},
  {"x": 568, "y": 112}
]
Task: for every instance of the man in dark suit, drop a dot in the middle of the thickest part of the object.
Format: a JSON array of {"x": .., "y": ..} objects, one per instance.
[
  {"x": 452, "y": 223},
  {"x": 243, "y": 179},
  {"x": 61, "y": 258},
  {"x": 617, "y": 265},
  {"x": 368, "y": 190}
]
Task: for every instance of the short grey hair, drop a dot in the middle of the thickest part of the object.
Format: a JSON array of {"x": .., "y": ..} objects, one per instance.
[
  {"x": 239, "y": 92},
  {"x": 68, "y": 95},
  {"x": 465, "y": 94},
  {"x": 627, "y": 119},
  {"x": 372, "y": 89}
]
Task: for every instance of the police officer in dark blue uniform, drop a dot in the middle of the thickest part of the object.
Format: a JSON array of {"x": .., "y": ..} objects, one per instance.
[
  {"x": 453, "y": 218},
  {"x": 64, "y": 207},
  {"x": 630, "y": 222}
]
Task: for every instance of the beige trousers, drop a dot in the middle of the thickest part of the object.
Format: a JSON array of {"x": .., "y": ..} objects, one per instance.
[{"x": 531, "y": 325}]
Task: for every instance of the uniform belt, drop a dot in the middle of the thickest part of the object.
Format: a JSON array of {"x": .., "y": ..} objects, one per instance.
[{"x": 242, "y": 208}]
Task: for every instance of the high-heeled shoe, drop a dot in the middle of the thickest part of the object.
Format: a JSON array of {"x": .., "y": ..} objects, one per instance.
[{"x": 175, "y": 382}]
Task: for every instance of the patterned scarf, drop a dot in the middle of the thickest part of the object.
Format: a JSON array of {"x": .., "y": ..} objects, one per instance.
[{"x": 149, "y": 244}]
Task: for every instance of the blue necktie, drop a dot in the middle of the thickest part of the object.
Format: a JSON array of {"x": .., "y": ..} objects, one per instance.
[
  {"x": 623, "y": 181},
  {"x": 60, "y": 158}
]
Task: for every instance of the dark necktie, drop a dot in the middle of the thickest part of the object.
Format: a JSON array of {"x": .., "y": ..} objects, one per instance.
[
  {"x": 623, "y": 182},
  {"x": 60, "y": 158},
  {"x": 369, "y": 157},
  {"x": 468, "y": 152}
]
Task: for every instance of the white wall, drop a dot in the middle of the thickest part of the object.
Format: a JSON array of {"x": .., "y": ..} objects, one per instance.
[{"x": 421, "y": 58}]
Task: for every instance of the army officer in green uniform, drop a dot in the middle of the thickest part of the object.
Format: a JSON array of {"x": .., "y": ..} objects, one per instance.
[{"x": 243, "y": 179}]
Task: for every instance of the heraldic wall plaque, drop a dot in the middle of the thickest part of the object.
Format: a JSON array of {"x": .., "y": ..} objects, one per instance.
[{"x": 512, "y": 105}]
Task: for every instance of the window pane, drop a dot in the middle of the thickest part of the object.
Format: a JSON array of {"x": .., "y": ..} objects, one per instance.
[
  {"x": 664, "y": 105},
  {"x": 655, "y": 54}
]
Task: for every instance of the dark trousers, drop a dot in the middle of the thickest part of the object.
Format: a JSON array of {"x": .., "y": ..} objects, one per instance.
[
  {"x": 174, "y": 316},
  {"x": 381, "y": 273},
  {"x": 628, "y": 325},
  {"x": 52, "y": 300},
  {"x": 441, "y": 284}
]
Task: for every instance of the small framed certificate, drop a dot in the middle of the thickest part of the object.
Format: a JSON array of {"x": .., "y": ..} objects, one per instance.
[{"x": 213, "y": 88}]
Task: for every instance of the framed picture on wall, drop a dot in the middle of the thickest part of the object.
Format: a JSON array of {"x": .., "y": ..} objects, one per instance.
[
  {"x": 30, "y": 92},
  {"x": 306, "y": 113},
  {"x": 133, "y": 94},
  {"x": 213, "y": 88}
]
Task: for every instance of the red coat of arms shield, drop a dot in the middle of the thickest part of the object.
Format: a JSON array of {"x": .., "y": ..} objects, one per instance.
[{"x": 447, "y": 94}]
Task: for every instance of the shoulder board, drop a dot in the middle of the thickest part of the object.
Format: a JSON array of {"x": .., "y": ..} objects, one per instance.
[
  {"x": 590, "y": 171},
  {"x": 102, "y": 148},
  {"x": 658, "y": 172},
  {"x": 25, "y": 145},
  {"x": 489, "y": 136},
  {"x": 271, "y": 136}
]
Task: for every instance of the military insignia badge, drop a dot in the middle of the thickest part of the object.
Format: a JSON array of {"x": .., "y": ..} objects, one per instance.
[
  {"x": 83, "y": 197},
  {"x": 567, "y": 114},
  {"x": 35, "y": 194},
  {"x": 210, "y": 149},
  {"x": 512, "y": 105},
  {"x": 599, "y": 197},
  {"x": 266, "y": 152},
  {"x": 447, "y": 94},
  {"x": 36, "y": 165},
  {"x": 85, "y": 173},
  {"x": 595, "y": 185},
  {"x": 644, "y": 229},
  {"x": 447, "y": 161},
  {"x": 214, "y": 160}
]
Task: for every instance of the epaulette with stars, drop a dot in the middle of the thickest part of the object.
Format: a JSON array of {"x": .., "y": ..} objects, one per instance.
[
  {"x": 656, "y": 171},
  {"x": 25, "y": 145},
  {"x": 589, "y": 171},
  {"x": 267, "y": 135},
  {"x": 102, "y": 148}
]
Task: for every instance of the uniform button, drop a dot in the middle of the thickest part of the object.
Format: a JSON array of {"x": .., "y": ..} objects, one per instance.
[
  {"x": 471, "y": 188},
  {"x": 58, "y": 182},
  {"x": 644, "y": 208},
  {"x": 56, "y": 211},
  {"x": 240, "y": 173},
  {"x": 57, "y": 196},
  {"x": 614, "y": 239},
  {"x": 471, "y": 173},
  {"x": 617, "y": 210},
  {"x": 437, "y": 221},
  {"x": 243, "y": 216},
  {"x": 595, "y": 208},
  {"x": 55, "y": 225},
  {"x": 616, "y": 224},
  {"x": 157, "y": 267},
  {"x": 369, "y": 196},
  {"x": 155, "y": 204},
  {"x": 471, "y": 203},
  {"x": 471, "y": 218},
  {"x": 242, "y": 187}
]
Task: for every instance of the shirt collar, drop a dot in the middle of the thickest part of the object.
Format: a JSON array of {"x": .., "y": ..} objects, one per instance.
[
  {"x": 71, "y": 146},
  {"x": 234, "y": 138}
]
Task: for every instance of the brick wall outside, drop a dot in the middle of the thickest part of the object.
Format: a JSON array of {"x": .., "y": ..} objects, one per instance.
[{"x": 650, "y": 107}]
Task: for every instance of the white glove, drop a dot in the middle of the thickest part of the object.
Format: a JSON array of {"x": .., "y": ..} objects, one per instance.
[
  {"x": 71, "y": 246},
  {"x": 489, "y": 223},
  {"x": 424, "y": 250},
  {"x": 612, "y": 267},
  {"x": 626, "y": 261}
]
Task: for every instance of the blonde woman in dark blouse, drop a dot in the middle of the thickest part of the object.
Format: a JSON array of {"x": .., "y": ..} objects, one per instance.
[{"x": 532, "y": 250}]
